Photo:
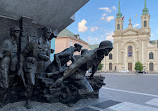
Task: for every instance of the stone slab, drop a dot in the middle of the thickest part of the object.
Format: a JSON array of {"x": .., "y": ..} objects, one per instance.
[
  {"x": 127, "y": 106},
  {"x": 106, "y": 104},
  {"x": 153, "y": 102}
]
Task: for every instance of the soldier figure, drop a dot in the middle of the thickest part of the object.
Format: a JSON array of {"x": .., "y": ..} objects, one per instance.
[
  {"x": 9, "y": 61},
  {"x": 63, "y": 57},
  {"x": 8, "y": 56},
  {"x": 79, "y": 77},
  {"x": 28, "y": 67},
  {"x": 44, "y": 45},
  {"x": 33, "y": 54},
  {"x": 104, "y": 48}
]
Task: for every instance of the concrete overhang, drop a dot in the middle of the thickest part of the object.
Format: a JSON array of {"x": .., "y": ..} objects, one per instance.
[{"x": 57, "y": 14}]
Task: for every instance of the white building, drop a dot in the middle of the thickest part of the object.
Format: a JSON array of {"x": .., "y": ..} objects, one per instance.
[{"x": 132, "y": 45}]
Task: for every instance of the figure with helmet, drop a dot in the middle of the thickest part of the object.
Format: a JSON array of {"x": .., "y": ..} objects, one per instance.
[
  {"x": 44, "y": 46},
  {"x": 9, "y": 64},
  {"x": 9, "y": 57}
]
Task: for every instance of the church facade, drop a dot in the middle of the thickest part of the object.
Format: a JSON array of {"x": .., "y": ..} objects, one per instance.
[{"x": 132, "y": 45}]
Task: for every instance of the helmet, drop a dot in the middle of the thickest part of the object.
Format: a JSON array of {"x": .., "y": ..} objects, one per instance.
[
  {"x": 47, "y": 29},
  {"x": 106, "y": 44},
  {"x": 78, "y": 45},
  {"x": 84, "y": 51},
  {"x": 13, "y": 29},
  {"x": 16, "y": 28}
]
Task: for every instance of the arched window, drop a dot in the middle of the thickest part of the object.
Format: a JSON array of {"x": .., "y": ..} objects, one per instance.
[
  {"x": 151, "y": 55},
  {"x": 110, "y": 56},
  {"x": 145, "y": 23},
  {"x": 110, "y": 66},
  {"x": 151, "y": 66},
  {"x": 130, "y": 51},
  {"x": 118, "y": 26}
]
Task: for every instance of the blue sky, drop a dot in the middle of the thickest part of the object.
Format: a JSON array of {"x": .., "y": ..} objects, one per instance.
[{"x": 95, "y": 21}]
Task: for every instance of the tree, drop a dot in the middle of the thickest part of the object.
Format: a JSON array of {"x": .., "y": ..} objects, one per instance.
[
  {"x": 100, "y": 66},
  {"x": 139, "y": 66}
]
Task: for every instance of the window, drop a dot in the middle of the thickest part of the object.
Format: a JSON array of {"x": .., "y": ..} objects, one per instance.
[
  {"x": 118, "y": 26},
  {"x": 145, "y": 23},
  {"x": 130, "y": 51},
  {"x": 110, "y": 56},
  {"x": 151, "y": 66},
  {"x": 110, "y": 66},
  {"x": 151, "y": 55}
]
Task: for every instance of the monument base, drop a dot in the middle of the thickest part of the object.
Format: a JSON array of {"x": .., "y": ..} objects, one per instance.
[{"x": 66, "y": 93}]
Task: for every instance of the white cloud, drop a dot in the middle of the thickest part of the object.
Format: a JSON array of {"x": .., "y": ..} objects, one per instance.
[
  {"x": 104, "y": 15},
  {"x": 113, "y": 7},
  {"x": 97, "y": 40},
  {"x": 109, "y": 36},
  {"x": 103, "y": 18},
  {"x": 81, "y": 26},
  {"x": 94, "y": 29},
  {"x": 136, "y": 26},
  {"x": 109, "y": 18},
  {"x": 92, "y": 40},
  {"x": 107, "y": 9}
]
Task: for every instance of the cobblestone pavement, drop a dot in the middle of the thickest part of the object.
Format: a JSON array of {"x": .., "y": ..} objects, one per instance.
[{"x": 37, "y": 106}]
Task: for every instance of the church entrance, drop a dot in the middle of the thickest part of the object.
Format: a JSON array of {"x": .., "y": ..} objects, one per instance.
[
  {"x": 110, "y": 66},
  {"x": 130, "y": 66},
  {"x": 151, "y": 67}
]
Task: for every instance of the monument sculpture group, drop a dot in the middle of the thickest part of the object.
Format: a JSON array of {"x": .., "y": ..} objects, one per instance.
[{"x": 26, "y": 74}]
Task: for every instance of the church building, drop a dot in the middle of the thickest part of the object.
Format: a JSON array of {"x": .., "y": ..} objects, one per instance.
[{"x": 132, "y": 45}]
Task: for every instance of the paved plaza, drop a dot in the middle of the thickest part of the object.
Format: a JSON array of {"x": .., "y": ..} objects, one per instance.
[{"x": 123, "y": 92}]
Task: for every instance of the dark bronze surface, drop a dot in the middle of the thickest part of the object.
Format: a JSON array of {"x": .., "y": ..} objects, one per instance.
[{"x": 24, "y": 74}]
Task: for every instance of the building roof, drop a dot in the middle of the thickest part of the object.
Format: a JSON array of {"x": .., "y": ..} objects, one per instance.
[
  {"x": 119, "y": 14},
  {"x": 145, "y": 10},
  {"x": 68, "y": 33}
]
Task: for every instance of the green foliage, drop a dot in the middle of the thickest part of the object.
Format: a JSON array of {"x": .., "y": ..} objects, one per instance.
[
  {"x": 100, "y": 66},
  {"x": 139, "y": 66}
]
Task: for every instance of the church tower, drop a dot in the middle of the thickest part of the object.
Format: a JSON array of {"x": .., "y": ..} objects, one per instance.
[
  {"x": 119, "y": 20},
  {"x": 145, "y": 18}
]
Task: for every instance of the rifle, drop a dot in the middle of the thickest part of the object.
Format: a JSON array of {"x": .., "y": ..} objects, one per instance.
[
  {"x": 54, "y": 73},
  {"x": 20, "y": 72}
]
